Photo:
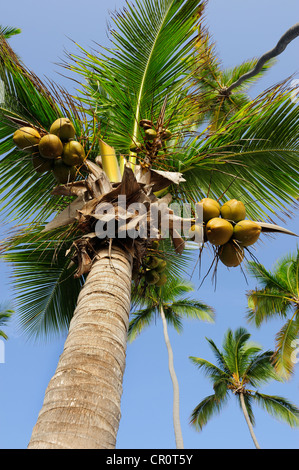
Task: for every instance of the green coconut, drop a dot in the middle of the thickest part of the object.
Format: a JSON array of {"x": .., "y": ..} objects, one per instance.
[
  {"x": 152, "y": 262},
  {"x": 63, "y": 173},
  {"x": 231, "y": 254},
  {"x": 208, "y": 208},
  {"x": 73, "y": 153},
  {"x": 233, "y": 210},
  {"x": 155, "y": 244},
  {"x": 162, "y": 281},
  {"x": 161, "y": 266},
  {"x": 219, "y": 231},
  {"x": 135, "y": 147},
  {"x": 152, "y": 277},
  {"x": 26, "y": 138},
  {"x": 150, "y": 134},
  {"x": 50, "y": 146},
  {"x": 40, "y": 164},
  {"x": 166, "y": 135},
  {"x": 145, "y": 123},
  {"x": 63, "y": 128},
  {"x": 247, "y": 232}
]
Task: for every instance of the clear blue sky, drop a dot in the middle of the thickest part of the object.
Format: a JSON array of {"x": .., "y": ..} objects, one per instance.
[{"x": 242, "y": 30}]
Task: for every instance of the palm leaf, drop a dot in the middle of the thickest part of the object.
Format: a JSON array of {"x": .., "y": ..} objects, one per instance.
[
  {"x": 205, "y": 410},
  {"x": 279, "y": 407},
  {"x": 283, "y": 348}
]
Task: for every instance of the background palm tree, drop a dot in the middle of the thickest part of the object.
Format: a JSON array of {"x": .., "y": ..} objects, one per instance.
[
  {"x": 241, "y": 365},
  {"x": 171, "y": 303},
  {"x": 149, "y": 64},
  {"x": 277, "y": 296}
]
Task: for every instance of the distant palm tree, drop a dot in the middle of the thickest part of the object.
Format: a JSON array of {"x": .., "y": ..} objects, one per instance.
[
  {"x": 240, "y": 365},
  {"x": 169, "y": 303},
  {"x": 5, "y": 314},
  {"x": 278, "y": 296}
]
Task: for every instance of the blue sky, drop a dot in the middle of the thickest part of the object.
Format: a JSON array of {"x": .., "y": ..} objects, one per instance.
[{"x": 242, "y": 30}]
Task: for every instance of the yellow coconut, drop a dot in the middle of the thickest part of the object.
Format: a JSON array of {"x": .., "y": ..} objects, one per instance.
[
  {"x": 26, "y": 138},
  {"x": 162, "y": 281},
  {"x": 208, "y": 208},
  {"x": 50, "y": 146},
  {"x": 247, "y": 232},
  {"x": 63, "y": 128},
  {"x": 233, "y": 210},
  {"x": 63, "y": 173},
  {"x": 73, "y": 153},
  {"x": 219, "y": 231},
  {"x": 196, "y": 233},
  {"x": 231, "y": 254},
  {"x": 40, "y": 164}
]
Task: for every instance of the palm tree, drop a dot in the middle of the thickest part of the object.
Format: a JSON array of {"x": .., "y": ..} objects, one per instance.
[
  {"x": 167, "y": 301},
  {"x": 146, "y": 75},
  {"x": 241, "y": 365},
  {"x": 277, "y": 296},
  {"x": 5, "y": 315}
]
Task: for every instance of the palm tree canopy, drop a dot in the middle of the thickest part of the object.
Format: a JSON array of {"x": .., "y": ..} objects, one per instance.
[
  {"x": 176, "y": 305},
  {"x": 241, "y": 364},
  {"x": 277, "y": 295}
]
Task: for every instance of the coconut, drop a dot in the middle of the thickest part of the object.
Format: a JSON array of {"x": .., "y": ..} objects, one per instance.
[
  {"x": 145, "y": 123},
  {"x": 166, "y": 134},
  {"x": 162, "y": 280},
  {"x": 161, "y": 266},
  {"x": 63, "y": 128},
  {"x": 26, "y": 138},
  {"x": 233, "y": 210},
  {"x": 135, "y": 147},
  {"x": 231, "y": 254},
  {"x": 196, "y": 233},
  {"x": 63, "y": 173},
  {"x": 50, "y": 146},
  {"x": 247, "y": 232},
  {"x": 73, "y": 153},
  {"x": 40, "y": 164},
  {"x": 208, "y": 208},
  {"x": 219, "y": 231},
  {"x": 155, "y": 244},
  {"x": 150, "y": 134},
  {"x": 152, "y": 277},
  {"x": 152, "y": 262}
]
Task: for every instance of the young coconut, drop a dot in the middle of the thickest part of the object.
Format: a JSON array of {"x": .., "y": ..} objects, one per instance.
[
  {"x": 153, "y": 262},
  {"x": 26, "y": 138},
  {"x": 208, "y": 208},
  {"x": 63, "y": 173},
  {"x": 152, "y": 277},
  {"x": 233, "y": 210},
  {"x": 161, "y": 266},
  {"x": 73, "y": 153},
  {"x": 150, "y": 134},
  {"x": 247, "y": 232},
  {"x": 166, "y": 134},
  {"x": 231, "y": 254},
  {"x": 162, "y": 281},
  {"x": 50, "y": 146},
  {"x": 219, "y": 231},
  {"x": 63, "y": 128},
  {"x": 40, "y": 164}
]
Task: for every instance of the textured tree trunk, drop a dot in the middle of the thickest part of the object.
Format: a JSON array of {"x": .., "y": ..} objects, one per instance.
[
  {"x": 175, "y": 385},
  {"x": 248, "y": 421},
  {"x": 81, "y": 408}
]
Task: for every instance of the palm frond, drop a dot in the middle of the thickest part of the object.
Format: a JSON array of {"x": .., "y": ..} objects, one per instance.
[
  {"x": 140, "y": 320},
  {"x": 279, "y": 407},
  {"x": 283, "y": 347},
  {"x": 9, "y": 31},
  {"x": 205, "y": 410},
  {"x": 193, "y": 309}
]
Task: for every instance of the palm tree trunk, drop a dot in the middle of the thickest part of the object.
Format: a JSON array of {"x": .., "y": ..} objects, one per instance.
[
  {"x": 175, "y": 385},
  {"x": 81, "y": 408},
  {"x": 244, "y": 409}
]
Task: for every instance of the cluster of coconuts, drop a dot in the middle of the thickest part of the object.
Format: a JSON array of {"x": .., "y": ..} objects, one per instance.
[
  {"x": 151, "y": 137},
  {"x": 57, "y": 151},
  {"x": 154, "y": 271},
  {"x": 225, "y": 227}
]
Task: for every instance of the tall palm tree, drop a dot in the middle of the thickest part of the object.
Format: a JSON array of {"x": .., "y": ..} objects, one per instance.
[
  {"x": 147, "y": 74},
  {"x": 277, "y": 296},
  {"x": 171, "y": 303},
  {"x": 241, "y": 368}
]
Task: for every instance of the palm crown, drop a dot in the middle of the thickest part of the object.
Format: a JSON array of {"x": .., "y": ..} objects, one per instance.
[
  {"x": 277, "y": 296},
  {"x": 241, "y": 368}
]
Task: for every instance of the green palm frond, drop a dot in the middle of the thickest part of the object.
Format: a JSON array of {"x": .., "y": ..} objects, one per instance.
[
  {"x": 45, "y": 288},
  {"x": 5, "y": 315},
  {"x": 140, "y": 320},
  {"x": 210, "y": 370},
  {"x": 205, "y": 410},
  {"x": 193, "y": 309},
  {"x": 248, "y": 159},
  {"x": 279, "y": 407},
  {"x": 9, "y": 31},
  {"x": 152, "y": 46},
  {"x": 260, "y": 369},
  {"x": 283, "y": 347}
]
